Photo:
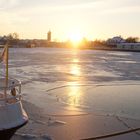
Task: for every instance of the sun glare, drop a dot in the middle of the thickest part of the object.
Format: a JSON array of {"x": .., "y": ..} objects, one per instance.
[{"x": 75, "y": 38}]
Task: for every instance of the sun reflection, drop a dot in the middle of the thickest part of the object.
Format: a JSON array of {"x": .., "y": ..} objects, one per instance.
[
  {"x": 74, "y": 95},
  {"x": 75, "y": 60},
  {"x": 75, "y": 70}
]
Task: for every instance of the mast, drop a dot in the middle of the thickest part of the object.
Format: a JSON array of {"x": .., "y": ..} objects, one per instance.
[{"x": 6, "y": 57}]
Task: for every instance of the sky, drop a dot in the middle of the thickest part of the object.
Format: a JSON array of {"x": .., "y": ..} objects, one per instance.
[{"x": 92, "y": 19}]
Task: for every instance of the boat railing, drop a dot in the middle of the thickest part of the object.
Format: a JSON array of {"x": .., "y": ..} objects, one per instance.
[{"x": 11, "y": 93}]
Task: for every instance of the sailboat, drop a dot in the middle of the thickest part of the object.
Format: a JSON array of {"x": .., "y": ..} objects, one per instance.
[{"x": 12, "y": 114}]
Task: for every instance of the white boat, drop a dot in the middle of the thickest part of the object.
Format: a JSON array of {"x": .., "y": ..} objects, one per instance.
[{"x": 12, "y": 114}]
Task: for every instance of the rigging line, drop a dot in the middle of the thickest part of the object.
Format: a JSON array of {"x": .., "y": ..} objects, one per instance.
[
  {"x": 125, "y": 124},
  {"x": 113, "y": 134}
]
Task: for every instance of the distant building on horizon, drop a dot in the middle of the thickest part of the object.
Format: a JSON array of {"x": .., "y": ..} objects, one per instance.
[
  {"x": 129, "y": 46},
  {"x": 49, "y": 34},
  {"x": 115, "y": 40}
]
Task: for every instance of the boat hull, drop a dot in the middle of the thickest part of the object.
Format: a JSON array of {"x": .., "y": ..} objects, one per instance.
[
  {"x": 12, "y": 117},
  {"x": 8, "y": 133}
]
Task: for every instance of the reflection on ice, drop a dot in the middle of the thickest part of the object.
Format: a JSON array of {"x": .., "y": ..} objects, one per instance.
[
  {"x": 47, "y": 68},
  {"x": 75, "y": 70},
  {"x": 116, "y": 100},
  {"x": 75, "y": 60},
  {"x": 74, "y": 94}
]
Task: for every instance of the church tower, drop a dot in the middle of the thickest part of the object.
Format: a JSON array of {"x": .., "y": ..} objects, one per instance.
[{"x": 49, "y": 36}]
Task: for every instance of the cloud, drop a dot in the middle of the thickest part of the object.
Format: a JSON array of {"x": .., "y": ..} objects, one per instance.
[
  {"x": 55, "y": 2},
  {"x": 26, "y": 4},
  {"x": 121, "y": 7},
  {"x": 11, "y": 20},
  {"x": 123, "y": 10},
  {"x": 6, "y": 4}
]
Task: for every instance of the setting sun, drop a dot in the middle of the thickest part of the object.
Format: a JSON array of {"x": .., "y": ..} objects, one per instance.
[{"x": 75, "y": 38}]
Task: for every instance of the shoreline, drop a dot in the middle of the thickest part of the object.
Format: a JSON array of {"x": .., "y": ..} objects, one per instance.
[{"x": 88, "y": 48}]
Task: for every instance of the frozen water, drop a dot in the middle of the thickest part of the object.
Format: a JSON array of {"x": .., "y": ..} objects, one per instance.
[
  {"x": 65, "y": 80},
  {"x": 66, "y": 65}
]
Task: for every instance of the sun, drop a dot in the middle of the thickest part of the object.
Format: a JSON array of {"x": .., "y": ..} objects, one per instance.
[{"x": 75, "y": 38}]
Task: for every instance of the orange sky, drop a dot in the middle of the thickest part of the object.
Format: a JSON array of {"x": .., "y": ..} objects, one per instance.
[{"x": 84, "y": 18}]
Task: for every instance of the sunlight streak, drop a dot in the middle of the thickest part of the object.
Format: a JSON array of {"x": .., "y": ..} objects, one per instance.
[
  {"x": 75, "y": 70},
  {"x": 74, "y": 95},
  {"x": 75, "y": 60}
]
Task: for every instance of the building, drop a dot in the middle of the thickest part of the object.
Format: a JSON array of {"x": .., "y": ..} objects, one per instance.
[
  {"x": 129, "y": 46},
  {"x": 49, "y": 36},
  {"x": 115, "y": 40}
]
